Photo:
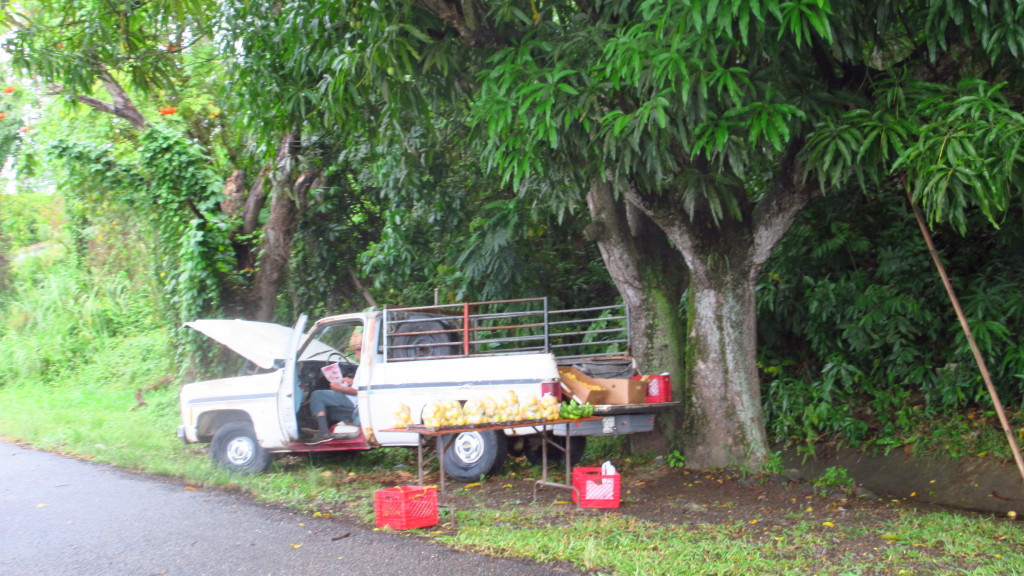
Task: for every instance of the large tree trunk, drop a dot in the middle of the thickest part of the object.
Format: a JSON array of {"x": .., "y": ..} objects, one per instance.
[
  {"x": 650, "y": 277},
  {"x": 271, "y": 259},
  {"x": 278, "y": 234},
  {"x": 724, "y": 420}
]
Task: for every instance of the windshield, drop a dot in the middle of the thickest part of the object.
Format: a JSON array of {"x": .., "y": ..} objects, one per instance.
[{"x": 336, "y": 339}]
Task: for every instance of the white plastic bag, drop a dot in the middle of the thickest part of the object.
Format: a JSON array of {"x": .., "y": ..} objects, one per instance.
[{"x": 332, "y": 372}]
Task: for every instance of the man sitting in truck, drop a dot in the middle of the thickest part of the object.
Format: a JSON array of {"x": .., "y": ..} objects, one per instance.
[{"x": 341, "y": 396}]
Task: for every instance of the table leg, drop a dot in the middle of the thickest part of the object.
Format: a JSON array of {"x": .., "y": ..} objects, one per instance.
[
  {"x": 441, "y": 498},
  {"x": 544, "y": 455},
  {"x": 544, "y": 466},
  {"x": 568, "y": 458},
  {"x": 419, "y": 461},
  {"x": 440, "y": 458}
]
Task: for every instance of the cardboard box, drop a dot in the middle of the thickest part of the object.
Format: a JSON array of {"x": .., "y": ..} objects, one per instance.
[
  {"x": 602, "y": 390},
  {"x": 581, "y": 386},
  {"x": 624, "y": 391}
]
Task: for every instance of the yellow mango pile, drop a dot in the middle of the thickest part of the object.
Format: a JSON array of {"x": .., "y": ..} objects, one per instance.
[
  {"x": 438, "y": 414},
  {"x": 481, "y": 411},
  {"x": 566, "y": 375},
  {"x": 403, "y": 416}
]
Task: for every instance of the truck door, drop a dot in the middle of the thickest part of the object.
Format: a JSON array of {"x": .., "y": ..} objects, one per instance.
[{"x": 289, "y": 394}]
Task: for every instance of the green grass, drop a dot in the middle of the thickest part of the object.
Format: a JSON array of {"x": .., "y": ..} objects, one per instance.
[{"x": 617, "y": 544}]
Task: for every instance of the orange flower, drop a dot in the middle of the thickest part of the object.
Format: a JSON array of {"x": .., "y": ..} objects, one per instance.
[
  {"x": 168, "y": 110},
  {"x": 3, "y": 115},
  {"x": 9, "y": 89}
]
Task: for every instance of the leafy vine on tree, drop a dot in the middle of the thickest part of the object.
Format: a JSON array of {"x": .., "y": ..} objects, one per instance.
[{"x": 168, "y": 181}]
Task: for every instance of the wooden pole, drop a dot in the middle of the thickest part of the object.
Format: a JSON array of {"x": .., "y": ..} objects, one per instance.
[{"x": 970, "y": 337}]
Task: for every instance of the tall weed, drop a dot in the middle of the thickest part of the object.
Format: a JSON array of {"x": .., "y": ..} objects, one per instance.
[
  {"x": 57, "y": 316},
  {"x": 85, "y": 366}
]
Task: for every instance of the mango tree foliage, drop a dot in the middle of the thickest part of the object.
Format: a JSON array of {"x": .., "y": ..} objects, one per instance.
[
  {"x": 446, "y": 225},
  {"x": 75, "y": 46},
  {"x": 719, "y": 120},
  {"x": 858, "y": 342}
]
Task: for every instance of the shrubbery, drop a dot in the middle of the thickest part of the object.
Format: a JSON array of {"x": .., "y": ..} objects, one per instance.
[{"x": 860, "y": 343}]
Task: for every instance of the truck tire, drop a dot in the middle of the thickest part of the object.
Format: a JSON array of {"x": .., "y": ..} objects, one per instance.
[
  {"x": 235, "y": 447},
  {"x": 533, "y": 451},
  {"x": 422, "y": 345},
  {"x": 471, "y": 455}
]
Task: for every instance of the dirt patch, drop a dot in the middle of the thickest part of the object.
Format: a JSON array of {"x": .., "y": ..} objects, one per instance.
[
  {"x": 761, "y": 509},
  {"x": 976, "y": 484},
  {"x": 885, "y": 486},
  {"x": 865, "y": 526},
  {"x": 666, "y": 495}
]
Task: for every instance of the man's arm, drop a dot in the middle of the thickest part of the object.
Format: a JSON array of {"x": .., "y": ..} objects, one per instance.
[{"x": 346, "y": 386}]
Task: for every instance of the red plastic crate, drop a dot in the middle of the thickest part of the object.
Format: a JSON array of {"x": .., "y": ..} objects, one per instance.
[
  {"x": 659, "y": 388},
  {"x": 405, "y": 507},
  {"x": 596, "y": 490}
]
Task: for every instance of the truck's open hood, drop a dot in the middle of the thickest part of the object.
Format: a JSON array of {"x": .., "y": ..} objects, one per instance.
[{"x": 262, "y": 343}]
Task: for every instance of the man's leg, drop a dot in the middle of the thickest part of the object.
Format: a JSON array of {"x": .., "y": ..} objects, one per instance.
[{"x": 318, "y": 406}]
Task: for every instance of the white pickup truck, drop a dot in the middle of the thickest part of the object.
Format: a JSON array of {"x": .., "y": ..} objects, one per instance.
[{"x": 410, "y": 356}]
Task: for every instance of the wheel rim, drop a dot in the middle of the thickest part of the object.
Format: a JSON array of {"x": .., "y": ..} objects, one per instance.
[
  {"x": 240, "y": 451},
  {"x": 423, "y": 346},
  {"x": 469, "y": 447}
]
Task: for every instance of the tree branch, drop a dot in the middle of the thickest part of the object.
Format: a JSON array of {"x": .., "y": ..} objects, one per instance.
[
  {"x": 775, "y": 213},
  {"x": 362, "y": 287},
  {"x": 254, "y": 202},
  {"x": 468, "y": 18},
  {"x": 122, "y": 105},
  {"x": 671, "y": 221}
]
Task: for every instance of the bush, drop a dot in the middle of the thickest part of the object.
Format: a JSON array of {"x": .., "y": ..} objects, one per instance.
[{"x": 860, "y": 344}]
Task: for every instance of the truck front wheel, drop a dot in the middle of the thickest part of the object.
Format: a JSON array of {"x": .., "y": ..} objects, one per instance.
[
  {"x": 474, "y": 454},
  {"x": 235, "y": 447}
]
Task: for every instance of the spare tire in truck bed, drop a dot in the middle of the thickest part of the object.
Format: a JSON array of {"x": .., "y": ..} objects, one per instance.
[
  {"x": 422, "y": 336},
  {"x": 610, "y": 368}
]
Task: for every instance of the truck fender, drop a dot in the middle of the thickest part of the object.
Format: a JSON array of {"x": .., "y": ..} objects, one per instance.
[{"x": 208, "y": 423}]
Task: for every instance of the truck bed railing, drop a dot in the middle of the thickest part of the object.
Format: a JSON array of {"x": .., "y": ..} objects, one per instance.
[{"x": 504, "y": 327}]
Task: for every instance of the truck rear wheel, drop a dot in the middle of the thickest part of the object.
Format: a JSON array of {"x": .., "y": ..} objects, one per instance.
[
  {"x": 471, "y": 455},
  {"x": 235, "y": 447}
]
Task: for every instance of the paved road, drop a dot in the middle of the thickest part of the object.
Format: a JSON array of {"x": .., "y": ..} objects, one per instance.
[{"x": 60, "y": 516}]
